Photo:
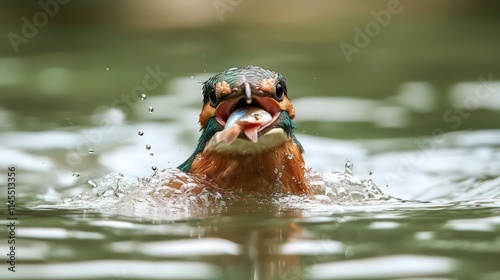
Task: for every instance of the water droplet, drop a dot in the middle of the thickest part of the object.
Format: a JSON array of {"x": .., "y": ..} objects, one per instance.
[
  {"x": 140, "y": 132},
  {"x": 151, "y": 109},
  {"x": 148, "y": 147},
  {"x": 76, "y": 174},
  {"x": 91, "y": 151},
  {"x": 143, "y": 96},
  {"x": 192, "y": 77},
  {"x": 289, "y": 156},
  {"x": 107, "y": 69},
  {"x": 92, "y": 183},
  {"x": 348, "y": 167},
  {"x": 154, "y": 168},
  {"x": 276, "y": 171},
  {"x": 151, "y": 154}
]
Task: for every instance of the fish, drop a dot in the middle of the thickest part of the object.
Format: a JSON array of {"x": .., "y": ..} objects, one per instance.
[{"x": 248, "y": 120}]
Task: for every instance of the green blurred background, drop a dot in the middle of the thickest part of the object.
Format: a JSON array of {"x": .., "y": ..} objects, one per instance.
[{"x": 90, "y": 52}]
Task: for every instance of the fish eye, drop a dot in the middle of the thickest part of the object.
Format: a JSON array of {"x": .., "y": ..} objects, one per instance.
[
  {"x": 279, "y": 91},
  {"x": 212, "y": 97}
]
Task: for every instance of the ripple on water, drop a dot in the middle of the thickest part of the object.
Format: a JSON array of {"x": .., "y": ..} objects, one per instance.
[
  {"x": 121, "y": 269},
  {"x": 385, "y": 267},
  {"x": 57, "y": 233},
  {"x": 189, "y": 247}
]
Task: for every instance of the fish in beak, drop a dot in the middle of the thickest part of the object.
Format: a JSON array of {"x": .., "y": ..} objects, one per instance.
[{"x": 248, "y": 121}]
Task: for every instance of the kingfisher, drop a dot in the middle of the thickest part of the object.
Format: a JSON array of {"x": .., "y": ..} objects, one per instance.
[{"x": 247, "y": 140}]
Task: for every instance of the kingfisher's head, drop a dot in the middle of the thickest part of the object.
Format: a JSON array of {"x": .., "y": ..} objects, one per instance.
[{"x": 245, "y": 110}]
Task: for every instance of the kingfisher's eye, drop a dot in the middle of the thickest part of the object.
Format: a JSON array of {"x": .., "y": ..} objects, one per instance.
[
  {"x": 279, "y": 91},
  {"x": 212, "y": 97}
]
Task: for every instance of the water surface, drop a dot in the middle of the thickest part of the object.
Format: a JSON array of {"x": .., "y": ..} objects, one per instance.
[{"x": 413, "y": 116}]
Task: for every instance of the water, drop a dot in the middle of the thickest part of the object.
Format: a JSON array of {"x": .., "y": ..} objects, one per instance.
[
  {"x": 442, "y": 222},
  {"x": 403, "y": 143}
]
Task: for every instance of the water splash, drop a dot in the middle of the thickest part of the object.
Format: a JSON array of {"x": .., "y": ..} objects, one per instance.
[
  {"x": 172, "y": 192},
  {"x": 164, "y": 194},
  {"x": 348, "y": 167},
  {"x": 344, "y": 187}
]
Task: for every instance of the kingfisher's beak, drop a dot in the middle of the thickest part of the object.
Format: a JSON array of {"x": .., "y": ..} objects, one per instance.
[{"x": 248, "y": 93}]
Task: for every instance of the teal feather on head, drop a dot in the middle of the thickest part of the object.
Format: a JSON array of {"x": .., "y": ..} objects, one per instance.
[{"x": 235, "y": 76}]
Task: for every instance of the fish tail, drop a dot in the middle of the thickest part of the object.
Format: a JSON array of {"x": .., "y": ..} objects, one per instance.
[{"x": 228, "y": 135}]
